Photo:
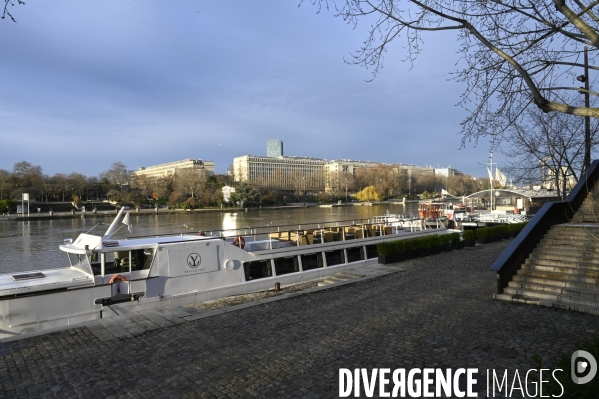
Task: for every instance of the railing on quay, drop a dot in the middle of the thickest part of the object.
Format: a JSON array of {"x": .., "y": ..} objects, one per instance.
[{"x": 550, "y": 214}]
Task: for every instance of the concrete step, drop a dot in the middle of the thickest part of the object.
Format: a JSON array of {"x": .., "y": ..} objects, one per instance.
[
  {"x": 586, "y": 300},
  {"x": 573, "y": 267},
  {"x": 539, "y": 295},
  {"x": 567, "y": 236},
  {"x": 566, "y": 258},
  {"x": 589, "y": 294},
  {"x": 561, "y": 304},
  {"x": 555, "y": 283},
  {"x": 557, "y": 276},
  {"x": 575, "y": 242},
  {"x": 570, "y": 231}
]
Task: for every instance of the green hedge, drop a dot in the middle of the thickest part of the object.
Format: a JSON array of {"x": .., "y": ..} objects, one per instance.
[
  {"x": 391, "y": 247},
  {"x": 454, "y": 238},
  {"x": 399, "y": 246},
  {"x": 469, "y": 235},
  {"x": 484, "y": 232},
  {"x": 517, "y": 227},
  {"x": 434, "y": 240},
  {"x": 495, "y": 231},
  {"x": 444, "y": 239}
]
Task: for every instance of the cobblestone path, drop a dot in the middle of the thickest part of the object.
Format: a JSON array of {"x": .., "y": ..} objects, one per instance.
[{"x": 437, "y": 313}]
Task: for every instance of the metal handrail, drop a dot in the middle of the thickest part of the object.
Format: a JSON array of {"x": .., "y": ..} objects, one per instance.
[
  {"x": 270, "y": 229},
  {"x": 550, "y": 214}
]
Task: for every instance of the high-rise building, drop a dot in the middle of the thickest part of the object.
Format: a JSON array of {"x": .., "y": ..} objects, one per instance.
[{"x": 274, "y": 148}]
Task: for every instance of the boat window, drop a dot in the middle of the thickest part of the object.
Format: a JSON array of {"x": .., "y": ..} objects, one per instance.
[
  {"x": 257, "y": 269},
  {"x": 355, "y": 254},
  {"x": 371, "y": 252},
  {"x": 80, "y": 262},
  {"x": 141, "y": 258},
  {"x": 312, "y": 261},
  {"x": 116, "y": 262},
  {"x": 335, "y": 257},
  {"x": 75, "y": 258},
  {"x": 286, "y": 265},
  {"x": 149, "y": 255}
]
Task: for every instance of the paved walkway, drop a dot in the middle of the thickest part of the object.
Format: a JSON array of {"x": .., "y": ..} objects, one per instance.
[{"x": 439, "y": 312}]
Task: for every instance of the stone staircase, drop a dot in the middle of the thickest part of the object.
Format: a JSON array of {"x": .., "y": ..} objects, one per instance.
[
  {"x": 563, "y": 270},
  {"x": 589, "y": 210}
]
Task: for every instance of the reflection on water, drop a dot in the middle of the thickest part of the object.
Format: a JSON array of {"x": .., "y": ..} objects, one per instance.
[
  {"x": 229, "y": 222},
  {"x": 33, "y": 245}
]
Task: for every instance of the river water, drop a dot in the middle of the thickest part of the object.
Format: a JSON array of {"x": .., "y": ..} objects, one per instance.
[{"x": 33, "y": 244}]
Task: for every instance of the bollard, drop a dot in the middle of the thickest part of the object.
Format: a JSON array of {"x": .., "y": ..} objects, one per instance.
[{"x": 277, "y": 286}]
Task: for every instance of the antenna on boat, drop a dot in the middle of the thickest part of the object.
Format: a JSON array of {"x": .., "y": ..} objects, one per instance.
[
  {"x": 112, "y": 229},
  {"x": 93, "y": 227}
]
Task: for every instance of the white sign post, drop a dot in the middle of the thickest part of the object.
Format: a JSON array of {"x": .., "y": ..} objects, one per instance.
[{"x": 25, "y": 198}]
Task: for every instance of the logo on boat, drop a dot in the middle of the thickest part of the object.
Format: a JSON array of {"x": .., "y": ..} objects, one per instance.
[{"x": 194, "y": 260}]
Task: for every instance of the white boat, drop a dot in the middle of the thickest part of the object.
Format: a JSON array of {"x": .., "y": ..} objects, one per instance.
[{"x": 113, "y": 276}]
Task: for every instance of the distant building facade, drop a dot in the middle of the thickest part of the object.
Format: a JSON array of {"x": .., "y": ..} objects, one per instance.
[
  {"x": 292, "y": 173},
  {"x": 339, "y": 173},
  {"x": 171, "y": 168},
  {"x": 447, "y": 172},
  {"x": 274, "y": 148}
]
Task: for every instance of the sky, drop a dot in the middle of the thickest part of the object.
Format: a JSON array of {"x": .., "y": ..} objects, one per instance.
[{"x": 87, "y": 84}]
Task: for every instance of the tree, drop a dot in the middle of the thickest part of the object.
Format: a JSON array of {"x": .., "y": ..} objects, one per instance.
[
  {"x": 6, "y": 12},
  {"x": 368, "y": 194},
  {"x": 247, "y": 194},
  {"x": 117, "y": 176},
  {"x": 5, "y": 183},
  {"x": 60, "y": 184},
  {"x": 462, "y": 185},
  {"x": 77, "y": 183},
  {"x": 190, "y": 181},
  {"x": 514, "y": 53},
  {"x": 165, "y": 186},
  {"x": 28, "y": 178},
  {"x": 146, "y": 183},
  {"x": 548, "y": 149}
]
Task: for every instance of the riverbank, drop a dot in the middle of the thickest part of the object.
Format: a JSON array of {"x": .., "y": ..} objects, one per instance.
[
  {"x": 166, "y": 211},
  {"x": 437, "y": 313}
]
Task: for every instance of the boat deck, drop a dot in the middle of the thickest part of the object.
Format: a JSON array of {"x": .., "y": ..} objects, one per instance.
[{"x": 19, "y": 283}]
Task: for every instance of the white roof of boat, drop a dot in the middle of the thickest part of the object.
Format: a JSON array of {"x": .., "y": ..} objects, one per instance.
[
  {"x": 149, "y": 241},
  {"x": 49, "y": 279}
]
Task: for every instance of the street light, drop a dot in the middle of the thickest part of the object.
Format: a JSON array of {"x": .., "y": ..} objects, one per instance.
[
  {"x": 409, "y": 188},
  {"x": 304, "y": 179},
  {"x": 346, "y": 191}
]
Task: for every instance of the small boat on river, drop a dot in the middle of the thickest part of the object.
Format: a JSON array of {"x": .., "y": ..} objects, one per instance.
[{"x": 109, "y": 276}]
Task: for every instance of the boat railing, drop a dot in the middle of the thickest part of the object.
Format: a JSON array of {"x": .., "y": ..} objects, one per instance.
[{"x": 354, "y": 228}]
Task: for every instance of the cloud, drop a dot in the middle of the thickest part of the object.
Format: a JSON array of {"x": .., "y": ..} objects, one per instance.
[{"x": 144, "y": 82}]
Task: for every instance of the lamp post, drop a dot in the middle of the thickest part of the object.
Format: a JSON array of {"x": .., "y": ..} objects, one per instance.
[
  {"x": 304, "y": 179},
  {"x": 409, "y": 188},
  {"x": 346, "y": 191},
  {"x": 587, "y": 120}
]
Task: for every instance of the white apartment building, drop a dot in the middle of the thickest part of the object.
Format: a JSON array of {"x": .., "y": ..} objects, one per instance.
[
  {"x": 171, "y": 168},
  {"x": 292, "y": 173}
]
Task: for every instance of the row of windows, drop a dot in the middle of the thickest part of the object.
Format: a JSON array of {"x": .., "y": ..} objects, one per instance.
[{"x": 291, "y": 264}]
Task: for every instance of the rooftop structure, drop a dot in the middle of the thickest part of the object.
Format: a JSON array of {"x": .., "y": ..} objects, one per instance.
[
  {"x": 171, "y": 168},
  {"x": 274, "y": 148}
]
